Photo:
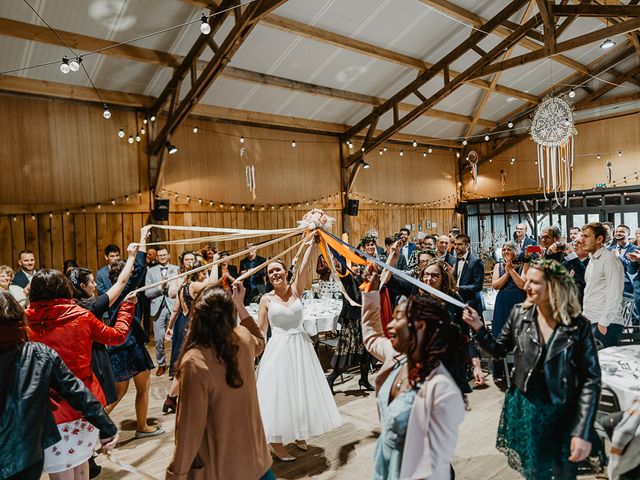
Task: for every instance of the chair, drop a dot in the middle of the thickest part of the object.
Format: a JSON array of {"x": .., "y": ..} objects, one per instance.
[
  {"x": 630, "y": 332},
  {"x": 607, "y": 416}
]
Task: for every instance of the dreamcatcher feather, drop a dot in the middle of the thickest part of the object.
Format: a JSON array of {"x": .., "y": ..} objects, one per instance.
[{"x": 553, "y": 129}]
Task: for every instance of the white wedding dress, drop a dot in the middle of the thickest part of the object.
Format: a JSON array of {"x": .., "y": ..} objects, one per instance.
[{"x": 295, "y": 400}]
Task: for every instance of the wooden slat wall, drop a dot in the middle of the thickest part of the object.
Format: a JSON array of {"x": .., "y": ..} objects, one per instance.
[
  {"x": 83, "y": 236},
  {"x": 605, "y": 137}
]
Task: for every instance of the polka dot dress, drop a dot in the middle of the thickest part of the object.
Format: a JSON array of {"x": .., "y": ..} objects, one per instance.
[{"x": 79, "y": 438}]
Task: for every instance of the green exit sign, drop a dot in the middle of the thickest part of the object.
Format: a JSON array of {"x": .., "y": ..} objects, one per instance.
[{"x": 601, "y": 185}]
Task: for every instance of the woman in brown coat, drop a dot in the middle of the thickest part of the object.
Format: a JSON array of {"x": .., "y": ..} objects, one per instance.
[{"x": 219, "y": 433}]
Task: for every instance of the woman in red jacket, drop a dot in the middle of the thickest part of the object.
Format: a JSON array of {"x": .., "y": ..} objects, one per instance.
[{"x": 55, "y": 320}]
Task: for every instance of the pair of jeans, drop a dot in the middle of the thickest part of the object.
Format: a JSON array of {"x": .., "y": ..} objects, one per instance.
[{"x": 611, "y": 338}]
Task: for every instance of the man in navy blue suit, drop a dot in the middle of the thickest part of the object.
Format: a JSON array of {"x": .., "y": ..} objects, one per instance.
[
  {"x": 620, "y": 246},
  {"x": 468, "y": 271},
  {"x": 408, "y": 247},
  {"x": 111, "y": 255}
]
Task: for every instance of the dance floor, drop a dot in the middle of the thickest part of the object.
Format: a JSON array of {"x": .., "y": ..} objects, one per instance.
[{"x": 345, "y": 453}]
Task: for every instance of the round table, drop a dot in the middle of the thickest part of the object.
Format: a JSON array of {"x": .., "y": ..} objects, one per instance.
[
  {"x": 621, "y": 372},
  {"x": 320, "y": 315}
]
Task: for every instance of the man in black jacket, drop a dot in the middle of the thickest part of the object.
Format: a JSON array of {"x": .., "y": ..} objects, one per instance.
[
  {"x": 255, "y": 284},
  {"x": 468, "y": 270}
]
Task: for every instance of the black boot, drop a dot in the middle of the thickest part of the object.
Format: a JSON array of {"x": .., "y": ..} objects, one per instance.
[
  {"x": 94, "y": 468},
  {"x": 331, "y": 378},
  {"x": 364, "y": 380}
]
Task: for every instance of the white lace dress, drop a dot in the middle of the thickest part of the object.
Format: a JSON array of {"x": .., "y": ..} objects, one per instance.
[{"x": 295, "y": 400}]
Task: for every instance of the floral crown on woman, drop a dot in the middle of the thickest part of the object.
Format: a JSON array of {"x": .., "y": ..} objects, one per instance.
[{"x": 555, "y": 269}]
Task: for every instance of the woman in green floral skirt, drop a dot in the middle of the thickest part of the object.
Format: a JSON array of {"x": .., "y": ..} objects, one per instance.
[{"x": 548, "y": 412}]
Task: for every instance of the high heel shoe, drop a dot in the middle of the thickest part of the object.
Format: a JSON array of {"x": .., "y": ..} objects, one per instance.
[
  {"x": 364, "y": 383},
  {"x": 287, "y": 458},
  {"x": 330, "y": 381},
  {"x": 170, "y": 405}
]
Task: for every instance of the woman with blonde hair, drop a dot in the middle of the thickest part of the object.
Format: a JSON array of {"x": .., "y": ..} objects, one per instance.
[
  {"x": 16, "y": 291},
  {"x": 548, "y": 412}
]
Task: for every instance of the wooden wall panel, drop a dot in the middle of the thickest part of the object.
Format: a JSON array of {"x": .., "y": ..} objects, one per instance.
[
  {"x": 604, "y": 137},
  {"x": 64, "y": 153}
]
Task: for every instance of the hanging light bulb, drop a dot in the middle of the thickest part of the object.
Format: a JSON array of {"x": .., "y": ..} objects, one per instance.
[
  {"x": 113, "y": 201},
  {"x": 414, "y": 143},
  {"x": 598, "y": 156},
  {"x": 402, "y": 153},
  {"x": 424, "y": 154},
  {"x": 619, "y": 153},
  {"x": 464, "y": 142},
  {"x": 572, "y": 93},
  {"x": 381, "y": 152},
  {"x": 106, "y": 113},
  {"x": 195, "y": 129},
  {"x": 491, "y": 160},
  {"x": 74, "y": 64},
  {"x": 130, "y": 139},
  {"x": 138, "y": 138},
  {"x": 241, "y": 139},
  {"x": 430, "y": 150},
  {"x": 121, "y": 133},
  {"x": 153, "y": 118},
  {"x": 205, "y": 28},
  {"x": 293, "y": 144},
  {"x": 384, "y": 149},
  {"x": 607, "y": 44},
  {"x": 365, "y": 165},
  {"x": 142, "y": 131},
  {"x": 64, "y": 66},
  {"x": 486, "y": 138},
  {"x": 457, "y": 154},
  {"x": 510, "y": 124},
  {"x": 513, "y": 159},
  {"x": 171, "y": 148},
  {"x": 145, "y": 120}
]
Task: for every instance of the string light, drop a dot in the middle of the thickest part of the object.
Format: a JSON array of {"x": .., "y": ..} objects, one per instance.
[
  {"x": 106, "y": 113},
  {"x": 464, "y": 142},
  {"x": 130, "y": 139},
  {"x": 195, "y": 129},
  {"x": 486, "y": 138},
  {"x": 121, "y": 133},
  {"x": 153, "y": 118},
  {"x": 510, "y": 124},
  {"x": 138, "y": 138},
  {"x": 205, "y": 28},
  {"x": 402, "y": 153},
  {"x": 619, "y": 153},
  {"x": 241, "y": 139},
  {"x": 143, "y": 131},
  {"x": 430, "y": 150},
  {"x": 362, "y": 149},
  {"x": 293, "y": 144},
  {"x": 381, "y": 152},
  {"x": 424, "y": 154},
  {"x": 414, "y": 143},
  {"x": 145, "y": 120},
  {"x": 572, "y": 93},
  {"x": 64, "y": 66},
  {"x": 113, "y": 201}
]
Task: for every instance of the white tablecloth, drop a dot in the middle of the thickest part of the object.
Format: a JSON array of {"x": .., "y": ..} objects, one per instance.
[
  {"x": 621, "y": 372},
  {"x": 320, "y": 315}
]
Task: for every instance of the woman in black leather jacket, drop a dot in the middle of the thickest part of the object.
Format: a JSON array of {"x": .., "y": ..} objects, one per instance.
[
  {"x": 548, "y": 412},
  {"x": 29, "y": 370}
]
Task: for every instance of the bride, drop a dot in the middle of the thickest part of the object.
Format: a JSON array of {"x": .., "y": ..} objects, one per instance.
[{"x": 295, "y": 399}]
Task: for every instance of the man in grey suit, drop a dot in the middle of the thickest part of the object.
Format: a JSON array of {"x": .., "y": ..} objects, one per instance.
[{"x": 161, "y": 303}]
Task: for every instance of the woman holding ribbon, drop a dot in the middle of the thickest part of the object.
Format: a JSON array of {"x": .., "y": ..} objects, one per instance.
[{"x": 295, "y": 399}]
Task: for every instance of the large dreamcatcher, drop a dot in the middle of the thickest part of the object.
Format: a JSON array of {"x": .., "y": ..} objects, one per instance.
[
  {"x": 552, "y": 129},
  {"x": 249, "y": 173}
]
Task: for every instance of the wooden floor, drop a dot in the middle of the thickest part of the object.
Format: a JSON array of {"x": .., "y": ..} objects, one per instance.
[{"x": 345, "y": 453}]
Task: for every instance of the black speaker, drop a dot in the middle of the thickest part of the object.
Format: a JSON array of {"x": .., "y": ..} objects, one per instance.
[
  {"x": 352, "y": 207},
  {"x": 161, "y": 209},
  {"x": 461, "y": 208}
]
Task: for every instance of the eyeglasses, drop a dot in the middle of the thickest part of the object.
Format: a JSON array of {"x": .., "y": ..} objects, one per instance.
[{"x": 431, "y": 275}]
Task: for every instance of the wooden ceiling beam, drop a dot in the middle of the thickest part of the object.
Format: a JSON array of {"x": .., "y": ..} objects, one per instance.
[
  {"x": 363, "y": 48},
  {"x": 505, "y": 29},
  {"x": 607, "y": 87},
  {"x": 369, "y": 121},
  {"x": 86, "y": 43},
  {"x": 240, "y": 31},
  {"x": 567, "y": 45},
  {"x": 595, "y": 10},
  {"x": 43, "y": 88},
  {"x": 604, "y": 102}
]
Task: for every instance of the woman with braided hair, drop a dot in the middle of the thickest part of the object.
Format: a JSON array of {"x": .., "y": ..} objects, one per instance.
[
  {"x": 420, "y": 401},
  {"x": 548, "y": 412}
]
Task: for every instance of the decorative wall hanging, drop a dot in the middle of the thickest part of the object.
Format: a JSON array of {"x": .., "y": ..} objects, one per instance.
[
  {"x": 608, "y": 166},
  {"x": 250, "y": 174},
  {"x": 553, "y": 129},
  {"x": 473, "y": 158},
  {"x": 503, "y": 180}
]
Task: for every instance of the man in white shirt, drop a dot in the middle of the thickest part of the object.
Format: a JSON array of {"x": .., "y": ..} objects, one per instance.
[{"x": 604, "y": 279}]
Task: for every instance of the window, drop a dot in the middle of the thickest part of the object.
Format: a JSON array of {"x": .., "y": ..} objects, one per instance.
[{"x": 594, "y": 201}]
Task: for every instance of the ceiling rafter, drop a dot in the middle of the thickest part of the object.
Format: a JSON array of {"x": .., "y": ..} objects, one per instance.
[
  {"x": 180, "y": 108},
  {"x": 595, "y": 10},
  {"x": 364, "y": 48},
  {"x": 607, "y": 87},
  {"x": 565, "y": 46},
  {"x": 40, "y": 34},
  {"x": 486, "y": 94},
  {"x": 505, "y": 29},
  {"x": 370, "y": 120}
]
